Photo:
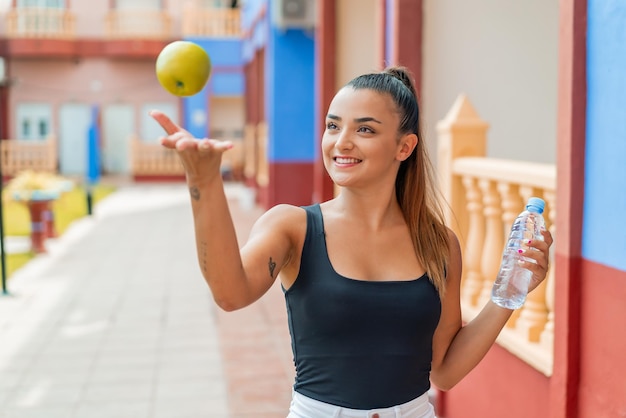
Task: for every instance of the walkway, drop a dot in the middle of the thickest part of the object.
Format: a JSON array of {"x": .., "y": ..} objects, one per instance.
[{"x": 116, "y": 321}]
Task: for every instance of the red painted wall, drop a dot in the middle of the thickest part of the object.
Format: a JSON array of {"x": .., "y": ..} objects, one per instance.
[
  {"x": 326, "y": 60},
  {"x": 81, "y": 48},
  {"x": 501, "y": 386},
  {"x": 290, "y": 183},
  {"x": 603, "y": 342}
]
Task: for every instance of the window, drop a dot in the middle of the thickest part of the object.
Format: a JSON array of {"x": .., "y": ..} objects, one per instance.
[
  {"x": 138, "y": 4},
  {"x": 43, "y": 128},
  {"x": 218, "y": 3},
  {"x": 56, "y": 4},
  {"x": 25, "y": 129},
  {"x": 34, "y": 120}
]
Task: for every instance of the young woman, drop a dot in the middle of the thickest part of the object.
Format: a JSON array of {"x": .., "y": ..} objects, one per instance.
[{"x": 371, "y": 277}]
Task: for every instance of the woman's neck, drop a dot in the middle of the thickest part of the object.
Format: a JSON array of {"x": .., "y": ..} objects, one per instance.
[{"x": 373, "y": 210}]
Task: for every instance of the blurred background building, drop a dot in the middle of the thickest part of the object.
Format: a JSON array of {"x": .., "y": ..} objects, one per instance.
[
  {"x": 62, "y": 57},
  {"x": 517, "y": 99}
]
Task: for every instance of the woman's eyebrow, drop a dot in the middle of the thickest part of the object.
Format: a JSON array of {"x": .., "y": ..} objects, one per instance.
[
  {"x": 357, "y": 120},
  {"x": 367, "y": 119}
]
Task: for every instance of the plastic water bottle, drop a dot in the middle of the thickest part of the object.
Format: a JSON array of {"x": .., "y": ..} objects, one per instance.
[{"x": 511, "y": 285}]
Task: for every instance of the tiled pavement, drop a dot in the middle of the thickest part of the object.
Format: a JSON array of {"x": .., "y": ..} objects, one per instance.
[{"x": 116, "y": 321}]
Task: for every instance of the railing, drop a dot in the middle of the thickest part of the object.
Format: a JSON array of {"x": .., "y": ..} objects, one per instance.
[
  {"x": 20, "y": 155},
  {"x": 485, "y": 195},
  {"x": 138, "y": 24},
  {"x": 40, "y": 22},
  {"x": 151, "y": 159},
  {"x": 211, "y": 22}
]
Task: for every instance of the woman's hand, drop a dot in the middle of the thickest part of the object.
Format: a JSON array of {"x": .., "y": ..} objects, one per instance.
[
  {"x": 201, "y": 158},
  {"x": 539, "y": 251}
]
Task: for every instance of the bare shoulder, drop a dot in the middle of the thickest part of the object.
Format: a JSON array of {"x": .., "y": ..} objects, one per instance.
[
  {"x": 284, "y": 220},
  {"x": 281, "y": 230},
  {"x": 453, "y": 243},
  {"x": 284, "y": 216}
]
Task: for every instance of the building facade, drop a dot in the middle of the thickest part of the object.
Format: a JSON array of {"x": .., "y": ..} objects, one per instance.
[
  {"x": 506, "y": 91},
  {"x": 547, "y": 80},
  {"x": 63, "y": 58}
]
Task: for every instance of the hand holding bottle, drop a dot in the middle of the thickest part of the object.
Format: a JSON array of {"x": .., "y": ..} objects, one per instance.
[
  {"x": 525, "y": 259},
  {"x": 539, "y": 251}
]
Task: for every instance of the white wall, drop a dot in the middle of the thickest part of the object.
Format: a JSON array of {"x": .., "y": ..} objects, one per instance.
[
  {"x": 91, "y": 14},
  {"x": 503, "y": 54},
  {"x": 227, "y": 113},
  {"x": 358, "y": 37},
  {"x": 90, "y": 17}
]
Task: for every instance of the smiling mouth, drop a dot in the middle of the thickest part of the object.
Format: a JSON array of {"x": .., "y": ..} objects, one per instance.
[{"x": 344, "y": 160}]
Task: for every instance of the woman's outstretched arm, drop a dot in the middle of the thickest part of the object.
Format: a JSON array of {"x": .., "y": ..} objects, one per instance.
[{"x": 236, "y": 278}]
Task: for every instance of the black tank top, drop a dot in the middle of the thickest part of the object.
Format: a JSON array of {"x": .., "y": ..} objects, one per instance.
[{"x": 358, "y": 344}]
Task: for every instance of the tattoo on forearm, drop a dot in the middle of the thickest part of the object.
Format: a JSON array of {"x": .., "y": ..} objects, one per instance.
[
  {"x": 203, "y": 246},
  {"x": 272, "y": 265},
  {"x": 195, "y": 193}
]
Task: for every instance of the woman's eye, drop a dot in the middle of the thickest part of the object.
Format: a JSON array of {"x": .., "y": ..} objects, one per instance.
[
  {"x": 366, "y": 129},
  {"x": 331, "y": 125}
]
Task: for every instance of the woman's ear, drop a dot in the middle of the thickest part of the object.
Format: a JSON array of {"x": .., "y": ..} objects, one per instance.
[{"x": 407, "y": 144}]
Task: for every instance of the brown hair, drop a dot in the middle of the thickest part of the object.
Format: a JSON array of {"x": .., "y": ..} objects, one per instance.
[{"x": 416, "y": 190}]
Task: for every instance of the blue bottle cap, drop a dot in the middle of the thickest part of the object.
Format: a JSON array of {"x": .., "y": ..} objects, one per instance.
[{"x": 535, "y": 203}]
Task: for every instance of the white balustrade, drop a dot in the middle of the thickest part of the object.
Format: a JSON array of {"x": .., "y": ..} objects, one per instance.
[{"x": 485, "y": 195}]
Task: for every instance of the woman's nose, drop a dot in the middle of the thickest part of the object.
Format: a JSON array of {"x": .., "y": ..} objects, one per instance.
[{"x": 344, "y": 140}]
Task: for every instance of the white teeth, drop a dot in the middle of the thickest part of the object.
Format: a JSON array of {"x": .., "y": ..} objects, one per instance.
[{"x": 341, "y": 160}]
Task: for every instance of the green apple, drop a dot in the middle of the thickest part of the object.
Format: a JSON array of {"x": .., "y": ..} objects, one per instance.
[{"x": 183, "y": 68}]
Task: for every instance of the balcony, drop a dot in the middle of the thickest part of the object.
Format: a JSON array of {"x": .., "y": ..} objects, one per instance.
[
  {"x": 20, "y": 155},
  {"x": 211, "y": 22},
  {"x": 151, "y": 161},
  {"x": 138, "y": 24},
  {"x": 40, "y": 22}
]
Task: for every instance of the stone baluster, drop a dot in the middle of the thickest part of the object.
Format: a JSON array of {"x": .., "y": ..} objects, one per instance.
[
  {"x": 511, "y": 207},
  {"x": 461, "y": 133},
  {"x": 534, "y": 313},
  {"x": 492, "y": 250},
  {"x": 546, "y": 338},
  {"x": 473, "y": 278}
]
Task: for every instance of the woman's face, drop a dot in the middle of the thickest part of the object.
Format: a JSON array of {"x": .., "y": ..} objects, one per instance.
[{"x": 361, "y": 144}]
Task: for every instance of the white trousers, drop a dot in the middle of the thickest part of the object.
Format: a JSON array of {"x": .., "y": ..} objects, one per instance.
[{"x": 305, "y": 407}]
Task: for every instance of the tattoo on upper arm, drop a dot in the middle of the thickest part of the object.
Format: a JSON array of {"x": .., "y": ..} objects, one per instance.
[
  {"x": 272, "y": 265},
  {"x": 195, "y": 193}
]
